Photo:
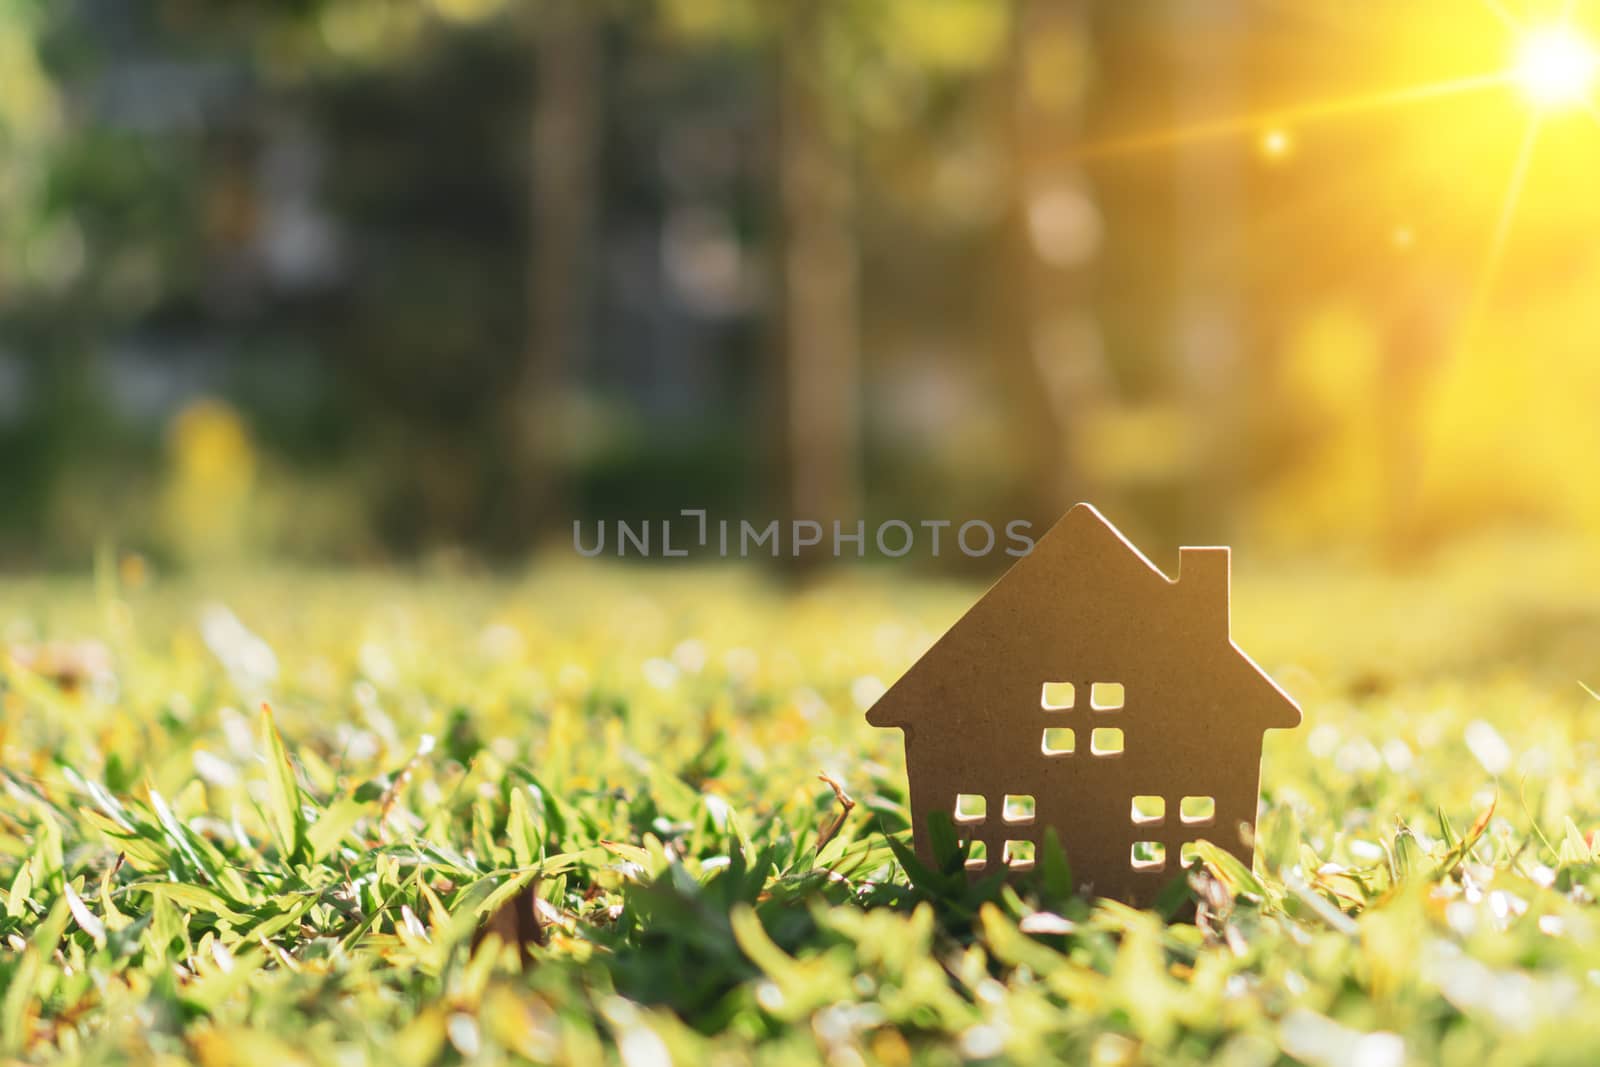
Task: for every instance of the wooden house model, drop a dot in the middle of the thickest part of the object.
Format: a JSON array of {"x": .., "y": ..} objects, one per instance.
[{"x": 1088, "y": 692}]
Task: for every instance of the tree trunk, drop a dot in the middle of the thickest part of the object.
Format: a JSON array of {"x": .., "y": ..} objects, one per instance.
[
  {"x": 1052, "y": 367},
  {"x": 1210, "y": 319},
  {"x": 820, "y": 315},
  {"x": 564, "y": 142}
]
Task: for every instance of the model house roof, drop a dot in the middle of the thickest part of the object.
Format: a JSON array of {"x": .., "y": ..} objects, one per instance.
[{"x": 1086, "y": 606}]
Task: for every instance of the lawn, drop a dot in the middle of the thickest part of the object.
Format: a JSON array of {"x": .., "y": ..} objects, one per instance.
[{"x": 297, "y": 817}]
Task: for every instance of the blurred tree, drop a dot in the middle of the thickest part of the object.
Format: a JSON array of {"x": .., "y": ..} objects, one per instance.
[
  {"x": 1050, "y": 349},
  {"x": 813, "y": 46},
  {"x": 564, "y": 142},
  {"x": 847, "y": 76},
  {"x": 819, "y": 319},
  {"x": 1211, "y": 334}
]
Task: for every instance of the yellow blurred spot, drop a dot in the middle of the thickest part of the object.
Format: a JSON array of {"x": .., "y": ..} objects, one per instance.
[
  {"x": 1556, "y": 67},
  {"x": 211, "y": 481},
  {"x": 352, "y": 29},
  {"x": 209, "y": 442},
  {"x": 362, "y": 29},
  {"x": 953, "y": 35},
  {"x": 710, "y": 19},
  {"x": 1276, "y": 144},
  {"x": 466, "y": 10},
  {"x": 1331, "y": 371},
  {"x": 1056, "y": 69},
  {"x": 1403, "y": 238},
  {"x": 133, "y": 570},
  {"x": 1134, "y": 444},
  {"x": 28, "y": 104},
  {"x": 1331, "y": 363},
  {"x": 889, "y": 1047}
]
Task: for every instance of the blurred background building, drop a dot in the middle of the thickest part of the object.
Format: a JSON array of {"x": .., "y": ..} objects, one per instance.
[{"x": 366, "y": 280}]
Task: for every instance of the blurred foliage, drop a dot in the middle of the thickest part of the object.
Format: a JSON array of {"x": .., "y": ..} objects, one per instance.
[
  {"x": 267, "y": 823},
  {"x": 322, "y": 214}
]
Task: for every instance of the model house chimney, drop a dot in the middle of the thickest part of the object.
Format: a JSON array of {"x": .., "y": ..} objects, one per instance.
[{"x": 1203, "y": 583}]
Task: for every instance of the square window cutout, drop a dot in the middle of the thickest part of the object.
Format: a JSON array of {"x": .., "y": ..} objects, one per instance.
[
  {"x": 1197, "y": 811},
  {"x": 1019, "y": 855},
  {"x": 1106, "y": 696},
  {"x": 971, "y": 808},
  {"x": 1057, "y": 696},
  {"x": 1059, "y": 741},
  {"x": 1149, "y": 856},
  {"x": 977, "y": 856},
  {"x": 1106, "y": 741},
  {"x": 1018, "y": 809},
  {"x": 1189, "y": 854},
  {"x": 1149, "y": 811}
]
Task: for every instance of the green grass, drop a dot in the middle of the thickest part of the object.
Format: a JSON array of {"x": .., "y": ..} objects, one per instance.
[{"x": 186, "y": 877}]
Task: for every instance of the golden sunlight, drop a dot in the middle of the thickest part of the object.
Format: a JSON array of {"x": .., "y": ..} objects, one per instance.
[{"x": 1556, "y": 67}]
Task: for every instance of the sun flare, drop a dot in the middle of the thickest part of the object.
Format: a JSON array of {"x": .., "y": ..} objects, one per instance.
[{"x": 1556, "y": 67}]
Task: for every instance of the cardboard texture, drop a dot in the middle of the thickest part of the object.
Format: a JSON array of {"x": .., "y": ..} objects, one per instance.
[{"x": 1088, "y": 692}]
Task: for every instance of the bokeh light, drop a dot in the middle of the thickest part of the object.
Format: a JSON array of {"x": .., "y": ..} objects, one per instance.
[{"x": 1276, "y": 144}]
